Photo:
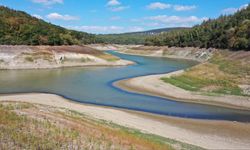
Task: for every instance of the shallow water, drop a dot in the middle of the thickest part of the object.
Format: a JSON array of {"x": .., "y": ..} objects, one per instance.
[{"x": 94, "y": 85}]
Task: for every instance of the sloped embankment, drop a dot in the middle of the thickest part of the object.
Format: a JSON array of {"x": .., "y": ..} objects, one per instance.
[
  {"x": 197, "y": 54},
  {"x": 34, "y": 126},
  {"x": 38, "y": 57}
]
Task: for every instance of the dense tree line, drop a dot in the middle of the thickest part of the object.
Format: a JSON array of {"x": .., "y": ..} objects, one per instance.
[
  {"x": 226, "y": 32},
  {"x": 19, "y": 28},
  {"x": 133, "y": 37}
]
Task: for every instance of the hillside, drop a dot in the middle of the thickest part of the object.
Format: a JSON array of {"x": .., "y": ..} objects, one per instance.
[
  {"x": 225, "y": 32},
  {"x": 20, "y": 28},
  {"x": 132, "y": 37}
]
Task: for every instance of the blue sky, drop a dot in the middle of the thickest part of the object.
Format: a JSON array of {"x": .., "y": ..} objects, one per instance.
[{"x": 117, "y": 16}]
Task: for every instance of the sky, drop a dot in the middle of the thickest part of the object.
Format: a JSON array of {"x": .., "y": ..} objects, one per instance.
[{"x": 119, "y": 16}]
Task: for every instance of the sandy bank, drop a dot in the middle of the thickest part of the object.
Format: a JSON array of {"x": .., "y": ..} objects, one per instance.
[
  {"x": 204, "y": 133},
  {"x": 43, "y": 57},
  {"x": 153, "y": 85}
]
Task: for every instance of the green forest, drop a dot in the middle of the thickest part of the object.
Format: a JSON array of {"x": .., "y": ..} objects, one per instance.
[
  {"x": 133, "y": 37},
  {"x": 130, "y": 38},
  {"x": 225, "y": 32},
  {"x": 19, "y": 28}
]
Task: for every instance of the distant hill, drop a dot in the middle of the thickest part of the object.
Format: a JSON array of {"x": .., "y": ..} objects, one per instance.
[
  {"x": 20, "y": 28},
  {"x": 133, "y": 37},
  {"x": 158, "y": 31},
  {"x": 225, "y": 32}
]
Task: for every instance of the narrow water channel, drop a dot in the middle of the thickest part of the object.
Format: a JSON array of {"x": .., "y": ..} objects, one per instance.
[{"x": 93, "y": 85}]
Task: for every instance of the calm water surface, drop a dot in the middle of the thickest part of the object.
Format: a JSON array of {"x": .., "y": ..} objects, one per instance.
[{"x": 94, "y": 85}]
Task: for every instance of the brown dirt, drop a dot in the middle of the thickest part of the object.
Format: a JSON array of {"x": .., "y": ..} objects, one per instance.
[{"x": 74, "y": 48}]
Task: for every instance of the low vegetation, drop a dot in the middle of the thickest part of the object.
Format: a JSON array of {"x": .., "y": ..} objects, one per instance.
[
  {"x": 109, "y": 57},
  {"x": 224, "y": 73},
  {"x": 28, "y": 126}
]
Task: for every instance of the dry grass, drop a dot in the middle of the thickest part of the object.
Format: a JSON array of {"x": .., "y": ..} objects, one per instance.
[
  {"x": 28, "y": 126},
  {"x": 108, "y": 57},
  {"x": 36, "y": 55},
  {"x": 223, "y": 74},
  {"x": 237, "y": 64}
]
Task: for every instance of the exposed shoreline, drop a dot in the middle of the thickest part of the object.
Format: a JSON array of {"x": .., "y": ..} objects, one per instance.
[
  {"x": 50, "y": 57},
  {"x": 204, "y": 133},
  {"x": 153, "y": 85},
  {"x": 167, "y": 56}
]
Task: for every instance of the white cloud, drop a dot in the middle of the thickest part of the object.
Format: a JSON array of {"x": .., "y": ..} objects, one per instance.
[
  {"x": 37, "y": 16},
  {"x": 184, "y": 8},
  {"x": 57, "y": 16},
  {"x": 176, "y": 20},
  {"x": 48, "y": 2},
  {"x": 158, "y": 5},
  {"x": 243, "y": 6},
  {"x": 233, "y": 10},
  {"x": 113, "y": 3},
  {"x": 120, "y": 8}
]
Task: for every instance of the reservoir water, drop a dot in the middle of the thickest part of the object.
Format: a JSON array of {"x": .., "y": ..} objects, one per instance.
[{"x": 93, "y": 85}]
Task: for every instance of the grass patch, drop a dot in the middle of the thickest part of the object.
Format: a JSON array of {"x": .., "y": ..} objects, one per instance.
[
  {"x": 109, "y": 57},
  {"x": 149, "y": 140},
  {"x": 17, "y": 106},
  {"x": 29, "y": 59},
  {"x": 207, "y": 78},
  {"x": 21, "y": 132},
  {"x": 76, "y": 60},
  {"x": 184, "y": 82},
  {"x": 158, "y": 140},
  {"x": 236, "y": 67}
]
